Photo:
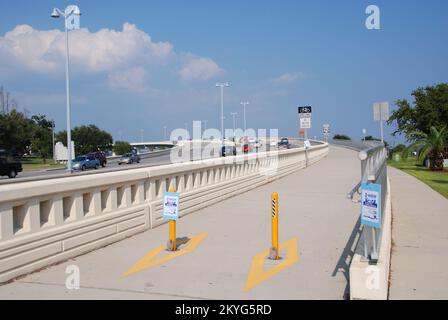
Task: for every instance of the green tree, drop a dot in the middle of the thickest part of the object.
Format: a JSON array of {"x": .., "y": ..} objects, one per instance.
[
  {"x": 122, "y": 147},
  {"x": 429, "y": 145},
  {"x": 341, "y": 137},
  {"x": 15, "y": 133},
  {"x": 87, "y": 139},
  {"x": 430, "y": 109},
  {"x": 42, "y": 139}
]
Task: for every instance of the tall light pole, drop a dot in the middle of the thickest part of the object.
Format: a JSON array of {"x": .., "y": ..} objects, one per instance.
[
  {"x": 233, "y": 115},
  {"x": 164, "y": 133},
  {"x": 71, "y": 17},
  {"x": 222, "y": 85},
  {"x": 244, "y": 104},
  {"x": 52, "y": 133}
]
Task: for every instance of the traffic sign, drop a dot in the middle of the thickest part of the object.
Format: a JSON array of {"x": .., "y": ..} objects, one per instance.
[
  {"x": 305, "y": 123},
  {"x": 171, "y": 206},
  {"x": 305, "y": 112},
  {"x": 381, "y": 111}
]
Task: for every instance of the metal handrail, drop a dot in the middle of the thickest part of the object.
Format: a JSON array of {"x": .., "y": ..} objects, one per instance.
[
  {"x": 373, "y": 170},
  {"x": 351, "y": 194}
]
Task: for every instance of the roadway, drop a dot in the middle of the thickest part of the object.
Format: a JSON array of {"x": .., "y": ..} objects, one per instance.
[
  {"x": 225, "y": 257},
  {"x": 147, "y": 160}
]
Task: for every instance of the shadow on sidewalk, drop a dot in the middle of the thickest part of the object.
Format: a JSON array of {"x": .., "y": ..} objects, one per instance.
[{"x": 345, "y": 259}]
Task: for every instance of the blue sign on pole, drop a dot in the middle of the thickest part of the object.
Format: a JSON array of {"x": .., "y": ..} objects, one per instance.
[
  {"x": 371, "y": 205},
  {"x": 171, "y": 206}
]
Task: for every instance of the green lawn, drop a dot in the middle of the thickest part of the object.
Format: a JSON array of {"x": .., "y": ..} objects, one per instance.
[
  {"x": 37, "y": 164},
  {"x": 436, "y": 180}
]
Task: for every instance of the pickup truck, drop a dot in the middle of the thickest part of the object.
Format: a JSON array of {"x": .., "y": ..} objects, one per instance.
[{"x": 9, "y": 168}]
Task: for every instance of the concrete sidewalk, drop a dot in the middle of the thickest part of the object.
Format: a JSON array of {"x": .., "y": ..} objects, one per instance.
[
  {"x": 419, "y": 265},
  {"x": 313, "y": 209}
]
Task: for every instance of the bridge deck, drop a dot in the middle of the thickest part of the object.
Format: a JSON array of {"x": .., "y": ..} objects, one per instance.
[{"x": 313, "y": 209}]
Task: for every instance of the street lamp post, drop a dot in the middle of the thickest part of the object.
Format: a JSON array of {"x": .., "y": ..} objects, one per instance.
[
  {"x": 164, "y": 133},
  {"x": 222, "y": 85},
  {"x": 71, "y": 17},
  {"x": 244, "y": 104},
  {"x": 233, "y": 115}
]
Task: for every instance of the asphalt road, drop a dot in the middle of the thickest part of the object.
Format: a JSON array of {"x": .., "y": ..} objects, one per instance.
[{"x": 149, "y": 160}]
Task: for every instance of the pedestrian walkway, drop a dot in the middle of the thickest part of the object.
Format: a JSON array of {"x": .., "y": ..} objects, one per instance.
[
  {"x": 225, "y": 257},
  {"x": 419, "y": 265}
]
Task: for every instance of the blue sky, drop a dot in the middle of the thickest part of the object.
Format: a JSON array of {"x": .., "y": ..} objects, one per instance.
[{"x": 161, "y": 67}]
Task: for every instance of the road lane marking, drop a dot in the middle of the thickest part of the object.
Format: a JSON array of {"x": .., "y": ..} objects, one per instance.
[
  {"x": 149, "y": 260},
  {"x": 257, "y": 274}
]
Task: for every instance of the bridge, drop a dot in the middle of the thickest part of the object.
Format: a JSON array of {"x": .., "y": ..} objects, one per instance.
[{"x": 109, "y": 231}]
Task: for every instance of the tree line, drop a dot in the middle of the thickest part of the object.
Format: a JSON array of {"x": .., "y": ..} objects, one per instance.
[{"x": 20, "y": 135}]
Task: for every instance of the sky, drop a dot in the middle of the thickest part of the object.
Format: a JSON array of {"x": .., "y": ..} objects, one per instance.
[{"x": 148, "y": 64}]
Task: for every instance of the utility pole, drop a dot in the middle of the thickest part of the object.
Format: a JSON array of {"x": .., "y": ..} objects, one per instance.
[
  {"x": 222, "y": 86},
  {"x": 244, "y": 104},
  {"x": 233, "y": 115},
  {"x": 54, "y": 151}
]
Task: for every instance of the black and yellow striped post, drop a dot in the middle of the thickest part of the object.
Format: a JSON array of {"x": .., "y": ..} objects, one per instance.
[
  {"x": 172, "y": 236},
  {"x": 274, "y": 252}
]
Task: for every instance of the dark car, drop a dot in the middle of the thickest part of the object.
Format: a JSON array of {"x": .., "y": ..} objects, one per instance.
[
  {"x": 284, "y": 144},
  {"x": 228, "y": 151},
  {"x": 9, "y": 168},
  {"x": 129, "y": 158},
  {"x": 101, "y": 156}
]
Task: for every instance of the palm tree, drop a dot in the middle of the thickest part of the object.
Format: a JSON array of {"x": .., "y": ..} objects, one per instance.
[{"x": 430, "y": 145}]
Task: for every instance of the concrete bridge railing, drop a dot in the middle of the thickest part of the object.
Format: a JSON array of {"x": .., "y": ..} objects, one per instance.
[{"x": 48, "y": 221}]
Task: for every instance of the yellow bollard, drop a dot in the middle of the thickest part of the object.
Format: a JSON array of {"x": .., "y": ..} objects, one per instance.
[
  {"x": 172, "y": 235},
  {"x": 274, "y": 252}
]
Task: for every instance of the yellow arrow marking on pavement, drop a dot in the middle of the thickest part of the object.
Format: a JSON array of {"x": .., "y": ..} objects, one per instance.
[
  {"x": 149, "y": 260},
  {"x": 257, "y": 274}
]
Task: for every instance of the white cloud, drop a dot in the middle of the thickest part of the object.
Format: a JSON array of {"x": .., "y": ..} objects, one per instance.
[
  {"x": 287, "y": 78},
  {"x": 126, "y": 57},
  {"x": 104, "y": 50},
  {"x": 199, "y": 68},
  {"x": 131, "y": 79}
]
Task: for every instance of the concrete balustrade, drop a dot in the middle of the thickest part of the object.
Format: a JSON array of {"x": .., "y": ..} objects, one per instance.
[{"x": 48, "y": 221}]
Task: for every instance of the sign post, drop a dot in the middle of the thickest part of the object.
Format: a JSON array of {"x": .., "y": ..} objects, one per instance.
[
  {"x": 305, "y": 123},
  {"x": 326, "y": 131},
  {"x": 171, "y": 213},
  {"x": 371, "y": 213}
]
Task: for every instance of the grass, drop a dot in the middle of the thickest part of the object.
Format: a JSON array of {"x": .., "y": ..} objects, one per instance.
[
  {"x": 37, "y": 164},
  {"x": 437, "y": 180}
]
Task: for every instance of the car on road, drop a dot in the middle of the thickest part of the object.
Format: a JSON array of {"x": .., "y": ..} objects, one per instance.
[
  {"x": 228, "y": 151},
  {"x": 284, "y": 143},
  {"x": 101, "y": 156},
  {"x": 85, "y": 162},
  {"x": 129, "y": 158},
  {"x": 9, "y": 168},
  {"x": 247, "y": 148}
]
